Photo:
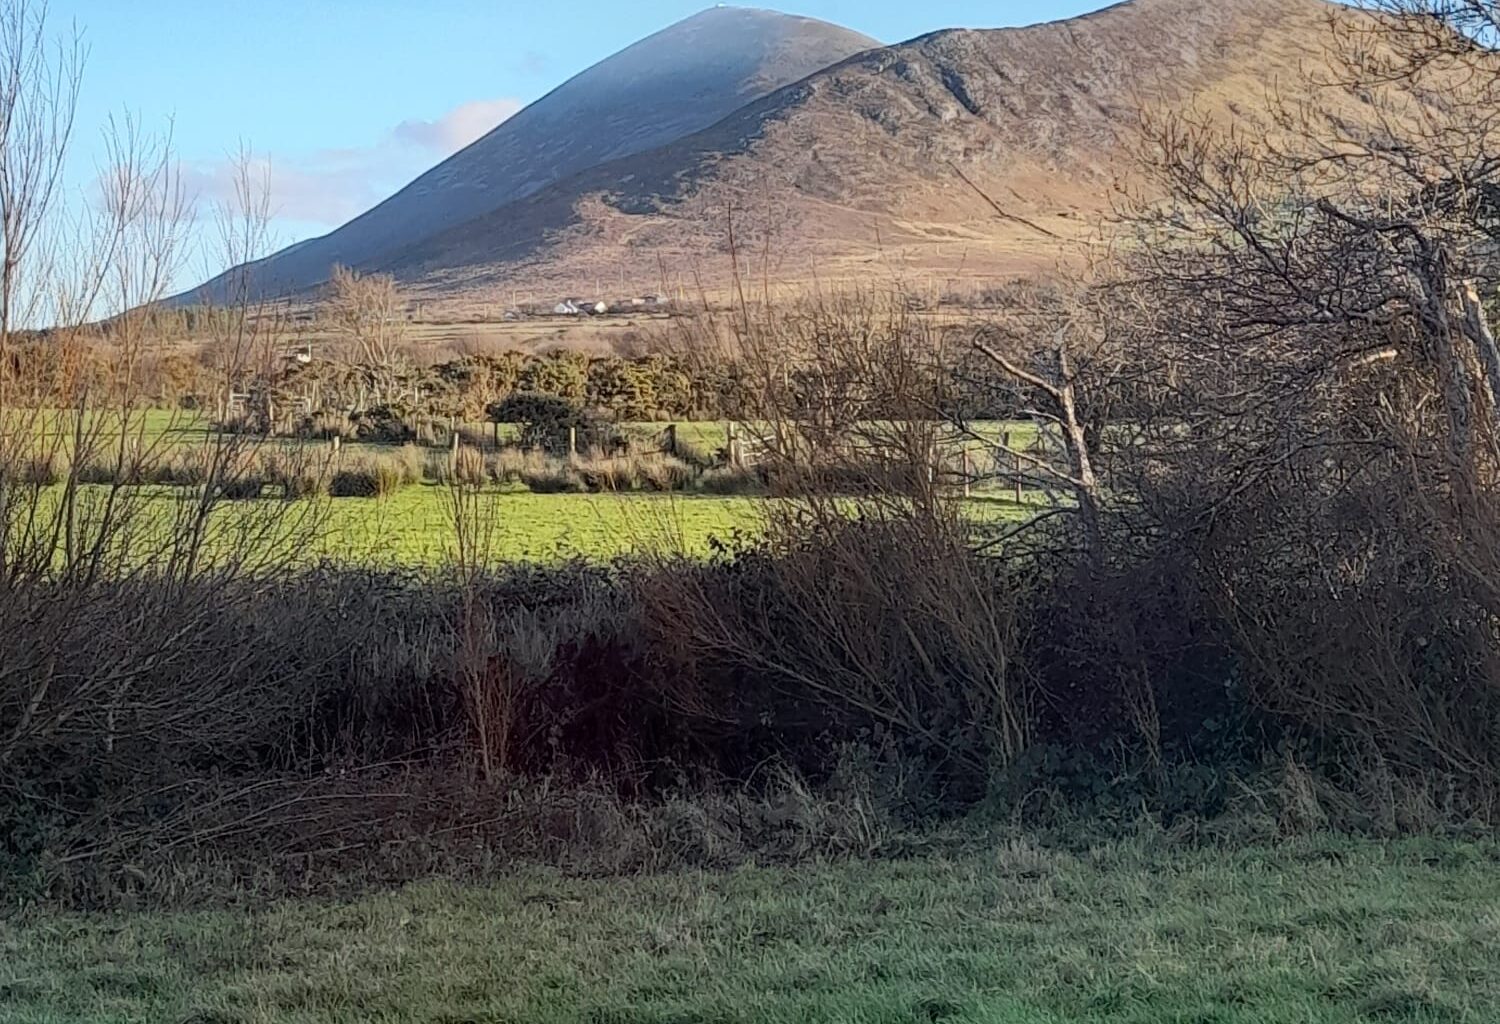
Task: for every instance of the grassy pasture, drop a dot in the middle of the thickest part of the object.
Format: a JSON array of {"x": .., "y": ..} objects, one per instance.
[
  {"x": 1316, "y": 931},
  {"x": 414, "y": 525}
]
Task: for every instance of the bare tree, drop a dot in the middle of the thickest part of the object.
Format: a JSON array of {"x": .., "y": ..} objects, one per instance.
[
  {"x": 106, "y": 588},
  {"x": 1319, "y": 444},
  {"x": 1367, "y": 219},
  {"x": 369, "y": 312},
  {"x": 39, "y": 83},
  {"x": 1055, "y": 356}
]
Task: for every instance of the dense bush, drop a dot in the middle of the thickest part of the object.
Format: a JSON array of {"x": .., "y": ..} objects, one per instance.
[
  {"x": 184, "y": 468},
  {"x": 295, "y": 474},
  {"x": 544, "y": 420},
  {"x": 245, "y": 486},
  {"x": 552, "y": 476},
  {"x": 967, "y": 680},
  {"x": 369, "y": 478},
  {"x": 385, "y": 424},
  {"x": 655, "y": 387},
  {"x": 41, "y": 471}
]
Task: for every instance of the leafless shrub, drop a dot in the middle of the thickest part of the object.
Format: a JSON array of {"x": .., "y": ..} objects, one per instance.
[
  {"x": 1320, "y": 432},
  {"x": 369, "y": 313},
  {"x": 891, "y": 620}
]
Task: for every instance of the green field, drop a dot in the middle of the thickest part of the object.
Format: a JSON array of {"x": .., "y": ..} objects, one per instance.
[
  {"x": 1319, "y": 931},
  {"x": 415, "y": 525}
]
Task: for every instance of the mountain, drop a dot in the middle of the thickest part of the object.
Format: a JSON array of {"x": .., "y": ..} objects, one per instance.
[
  {"x": 669, "y": 85},
  {"x": 861, "y": 166}
]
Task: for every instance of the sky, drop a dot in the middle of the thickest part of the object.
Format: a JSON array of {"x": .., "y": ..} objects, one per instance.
[{"x": 342, "y": 102}]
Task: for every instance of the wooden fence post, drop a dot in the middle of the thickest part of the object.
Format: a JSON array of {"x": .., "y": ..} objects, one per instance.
[
  {"x": 572, "y": 441},
  {"x": 1016, "y": 457},
  {"x": 736, "y": 456}
]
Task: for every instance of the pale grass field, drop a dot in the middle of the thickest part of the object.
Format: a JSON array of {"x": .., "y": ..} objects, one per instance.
[{"x": 1316, "y": 931}]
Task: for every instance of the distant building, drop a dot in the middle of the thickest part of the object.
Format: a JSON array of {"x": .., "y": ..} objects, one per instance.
[{"x": 581, "y": 307}]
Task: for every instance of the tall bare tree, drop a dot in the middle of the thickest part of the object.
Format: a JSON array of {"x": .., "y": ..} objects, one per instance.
[
  {"x": 369, "y": 312},
  {"x": 39, "y": 82}
]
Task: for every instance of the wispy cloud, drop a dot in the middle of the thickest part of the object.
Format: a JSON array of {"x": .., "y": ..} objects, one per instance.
[
  {"x": 533, "y": 62},
  {"x": 458, "y": 127},
  {"x": 328, "y": 187}
]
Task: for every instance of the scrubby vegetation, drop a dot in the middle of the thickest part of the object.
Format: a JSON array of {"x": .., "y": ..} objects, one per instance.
[{"x": 1257, "y": 601}]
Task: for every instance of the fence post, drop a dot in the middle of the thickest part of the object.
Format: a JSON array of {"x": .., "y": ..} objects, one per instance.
[
  {"x": 671, "y": 439},
  {"x": 968, "y": 486},
  {"x": 337, "y": 444},
  {"x": 1016, "y": 458},
  {"x": 453, "y": 453},
  {"x": 572, "y": 441}
]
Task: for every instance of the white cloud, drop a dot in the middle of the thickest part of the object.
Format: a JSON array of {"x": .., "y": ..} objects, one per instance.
[
  {"x": 330, "y": 186},
  {"x": 458, "y": 127}
]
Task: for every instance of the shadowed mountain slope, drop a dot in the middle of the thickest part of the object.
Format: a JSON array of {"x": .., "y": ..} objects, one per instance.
[
  {"x": 856, "y": 169},
  {"x": 662, "y": 88}
]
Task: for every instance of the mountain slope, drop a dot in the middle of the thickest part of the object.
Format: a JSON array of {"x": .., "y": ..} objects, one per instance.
[
  {"x": 666, "y": 86},
  {"x": 859, "y": 164}
]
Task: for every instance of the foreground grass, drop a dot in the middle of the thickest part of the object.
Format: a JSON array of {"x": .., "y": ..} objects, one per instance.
[{"x": 1318, "y": 931}]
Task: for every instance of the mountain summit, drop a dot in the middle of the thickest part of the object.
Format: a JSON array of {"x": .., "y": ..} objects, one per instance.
[
  {"x": 832, "y": 157},
  {"x": 669, "y": 85},
  {"x": 866, "y": 166}
]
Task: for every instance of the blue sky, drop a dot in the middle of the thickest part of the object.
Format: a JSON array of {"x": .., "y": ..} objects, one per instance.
[{"x": 350, "y": 99}]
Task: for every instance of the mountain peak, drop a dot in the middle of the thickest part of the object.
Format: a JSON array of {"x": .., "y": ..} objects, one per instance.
[
  {"x": 872, "y": 160},
  {"x": 664, "y": 87},
  {"x": 842, "y": 149}
]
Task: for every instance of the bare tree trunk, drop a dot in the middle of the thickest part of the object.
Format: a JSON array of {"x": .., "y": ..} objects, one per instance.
[
  {"x": 1080, "y": 462},
  {"x": 1061, "y": 393},
  {"x": 1453, "y": 370},
  {"x": 1477, "y": 327}
]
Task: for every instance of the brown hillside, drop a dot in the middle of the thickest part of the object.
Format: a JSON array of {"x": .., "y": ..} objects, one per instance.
[{"x": 851, "y": 172}]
